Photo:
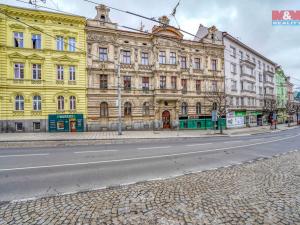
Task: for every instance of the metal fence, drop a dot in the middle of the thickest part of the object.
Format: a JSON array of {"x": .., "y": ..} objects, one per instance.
[{"x": 201, "y": 124}]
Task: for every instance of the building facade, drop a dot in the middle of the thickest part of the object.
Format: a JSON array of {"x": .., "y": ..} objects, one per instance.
[
  {"x": 42, "y": 71},
  {"x": 250, "y": 84},
  {"x": 281, "y": 94},
  {"x": 164, "y": 78}
]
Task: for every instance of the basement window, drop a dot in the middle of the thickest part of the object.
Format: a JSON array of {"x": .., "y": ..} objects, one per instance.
[
  {"x": 36, "y": 126},
  {"x": 19, "y": 126}
]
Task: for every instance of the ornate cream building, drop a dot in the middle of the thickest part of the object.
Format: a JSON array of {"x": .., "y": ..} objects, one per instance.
[{"x": 164, "y": 77}]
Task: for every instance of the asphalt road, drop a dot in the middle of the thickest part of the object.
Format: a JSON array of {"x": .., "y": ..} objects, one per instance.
[{"x": 37, "y": 172}]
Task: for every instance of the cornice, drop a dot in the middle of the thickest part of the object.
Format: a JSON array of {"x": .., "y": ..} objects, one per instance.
[{"x": 64, "y": 58}]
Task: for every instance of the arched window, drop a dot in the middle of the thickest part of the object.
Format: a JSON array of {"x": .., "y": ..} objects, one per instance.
[
  {"x": 37, "y": 103},
  {"x": 184, "y": 108},
  {"x": 214, "y": 106},
  {"x": 72, "y": 103},
  {"x": 198, "y": 108},
  {"x": 103, "y": 109},
  {"x": 19, "y": 103},
  {"x": 60, "y": 103},
  {"x": 146, "y": 109},
  {"x": 127, "y": 109}
]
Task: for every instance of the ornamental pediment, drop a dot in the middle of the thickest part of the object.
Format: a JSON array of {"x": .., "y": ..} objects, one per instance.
[
  {"x": 16, "y": 55},
  {"x": 65, "y": 31},
  {"x": 35, "y": 28},
  {"x": 17, "y": 26},
  {"x": 35, "y": 57},
  {"x": 167, "y": 31},
  {"x": 65, "y": 58}
]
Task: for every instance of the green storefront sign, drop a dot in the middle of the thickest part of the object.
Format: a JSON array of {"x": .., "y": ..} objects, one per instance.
[
  {"x": 65, "y": 123},
  {"x": 240, "y": 113}
]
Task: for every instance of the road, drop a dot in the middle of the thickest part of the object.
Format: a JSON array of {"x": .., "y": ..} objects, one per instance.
[{"x": 37, "y": 172}]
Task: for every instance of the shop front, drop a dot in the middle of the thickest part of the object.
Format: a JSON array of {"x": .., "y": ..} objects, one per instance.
[
  {"x": 65, "y": 123},
  {"x": 236, "y": 119}
]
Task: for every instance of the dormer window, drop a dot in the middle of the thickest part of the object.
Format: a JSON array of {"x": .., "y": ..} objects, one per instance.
[
  {"x": 102, "y": 17},
  {"x": 213, "y": 36}
]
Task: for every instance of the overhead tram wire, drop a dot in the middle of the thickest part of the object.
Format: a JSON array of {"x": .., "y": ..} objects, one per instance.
[{"x": 126, "y": 27}]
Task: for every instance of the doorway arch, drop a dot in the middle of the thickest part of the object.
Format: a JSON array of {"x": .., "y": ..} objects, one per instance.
[{"x": 166, "y": 118}]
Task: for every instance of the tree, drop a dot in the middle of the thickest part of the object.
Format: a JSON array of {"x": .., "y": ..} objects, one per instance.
[
  {"x": 218, "y": 99},
  {"x": 271, "y": 107},
  {"x": 290, "y": 110}
]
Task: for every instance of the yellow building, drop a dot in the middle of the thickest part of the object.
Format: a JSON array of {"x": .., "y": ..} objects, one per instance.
[{"x": 42, "y": 71}]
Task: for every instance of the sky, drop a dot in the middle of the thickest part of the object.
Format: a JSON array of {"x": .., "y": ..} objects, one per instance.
[{"x": 248, "y": 20}]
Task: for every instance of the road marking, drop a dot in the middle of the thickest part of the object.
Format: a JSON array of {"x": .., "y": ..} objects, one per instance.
[
  {"x": 146, "y": 157},
  {"x": 98, "y": 151},
  {"x": 159, "y": 147},
  {"x": 226, "y": 142},
  {"x": 26, "y": 155},
  {"x": 191, "y": 145}
]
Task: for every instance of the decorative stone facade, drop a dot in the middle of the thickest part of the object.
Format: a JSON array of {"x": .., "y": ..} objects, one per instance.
[{"x": 164, "y": 78}]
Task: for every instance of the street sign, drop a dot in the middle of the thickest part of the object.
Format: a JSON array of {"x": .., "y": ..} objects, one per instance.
[{"x": 214, "y": 116}]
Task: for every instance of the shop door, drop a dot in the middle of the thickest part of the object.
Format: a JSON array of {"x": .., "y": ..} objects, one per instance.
[
  {"x": 166, "y": 119},
  {"x": 73, "y": 126}
]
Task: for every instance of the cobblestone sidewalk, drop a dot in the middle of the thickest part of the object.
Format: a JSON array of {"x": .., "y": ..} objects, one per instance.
[{"x": 263, "y": 192}]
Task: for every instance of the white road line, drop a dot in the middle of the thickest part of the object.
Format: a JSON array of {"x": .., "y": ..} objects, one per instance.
[
  {"x": 25, "y": 155},
  {"x": 159, "y": 147},
  {"x": 191, "y": 145},
  {"x": 146, "y": 157},
  {"x": 226, "y": 142},
  {"x": 98, "y": 151}
]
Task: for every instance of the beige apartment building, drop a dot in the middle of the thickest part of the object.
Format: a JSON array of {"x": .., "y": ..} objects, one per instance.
[{"x": 164, "y": 78}]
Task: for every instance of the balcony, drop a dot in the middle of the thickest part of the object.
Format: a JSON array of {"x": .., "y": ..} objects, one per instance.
[
  {"x": 248, "y": 91},
  {"x": 197, "y": 71},
  {"x": 127, "y": 66},
  {"x": 168, "y": 66},
  {"x": 145, "y": 67},
  {"x": 247, "y": 62},
  {"x": 269, "y": 73}
]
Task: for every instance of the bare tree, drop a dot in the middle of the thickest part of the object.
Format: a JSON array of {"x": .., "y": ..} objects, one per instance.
[
  {"x": 290, "y": 110},
  {"x": 270, "y": 107},
  {"x": 218, "y": 99}
]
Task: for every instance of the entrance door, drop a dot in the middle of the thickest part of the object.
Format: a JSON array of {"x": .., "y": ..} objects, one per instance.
[
  {"x": 166, "y": 119},
  {"x": 73, "y": 126}
]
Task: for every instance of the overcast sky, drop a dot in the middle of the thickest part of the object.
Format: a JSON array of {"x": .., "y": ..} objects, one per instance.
[{"x": 249, "y": 20}]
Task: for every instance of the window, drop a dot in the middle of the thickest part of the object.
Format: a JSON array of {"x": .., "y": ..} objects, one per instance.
[
  {"x": 233, "y": 68},
  {"x": 242, "y": 85},
  {"x": 127, "y": 82},
  {"x": 36, "y": 72},
  {"x": 72, "y": 103},
  {"x": 184, "y": 85},
  {"x": 146, "y": 109},
  {"x": 198, "y": 86},
  {"x": 127, "y": 109},
  {"x": 37, "y": 103},
  {"x": 36, "y": 126},
  {"x": 19, "y": 103},
  {"x": 173, "y": 58},
  {"x": 184, "y": 108},
  {"x": 183, "y": 64},
  {"x": 19, "y": 70},
  {"x": 242, "y": 101},
  {"x": 260, "y": 90},
  {"x": 36, "y": 41},
  {"x": 103, "y": 54},
  {"x": 162, "y": 57},
  {"x": 103, "y": 81},
  {"x": 19, "y": 126},
  {"x": 253, "y": 60},
  {"x": 231, "y": 101},
  {"x": 233, "y": 85},
  {"x": 59, "y": 43},
  {"x": 259, "y": 65},
  {"x": 72, "y": 73},
  {"x": 241, "y": 55},
  {"x": 214, "y": 86},
  {"x": 233, "y": 51},
  {"x": 60, "y": 72},
  {"x": 103, "y": 109},
  {"x": 260, "y": 77},
  {"x": 198, "y": 108},
  {"x": 173, "y": 82},
  {"x": 60, "y": 103},
  {"x": 197, "y": 64},
  {"x": 145, "y": 58},
  {"x": 18, "y": 40},
  {"x": 214, "y": 64},
  {"x": 72, "y": 44},
  {"x": 126, "y": 57},
  {"x": 248, "y": 57},
  {"x": 145, "y": 83},
  {"x": 162, "y": 82}
]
